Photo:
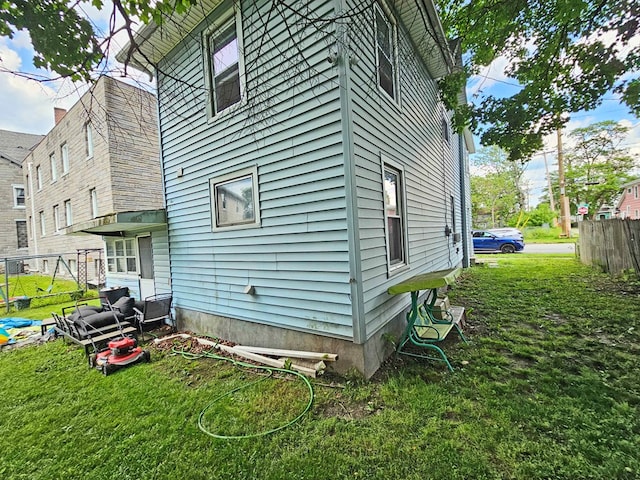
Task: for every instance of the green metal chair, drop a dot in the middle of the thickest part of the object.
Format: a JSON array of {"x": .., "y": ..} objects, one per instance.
[{"x": 423, "y": 329}]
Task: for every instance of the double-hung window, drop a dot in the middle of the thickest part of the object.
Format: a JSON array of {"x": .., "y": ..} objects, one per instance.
[
  {"x": 234, "y": 200},
  {"x": 386, "y": 52},
  {"x": 224, "y": 63},
  {"x": 18, "y": 196},
  {"x": 39, "y": 177},
  {"x": 393, "y": 184}
]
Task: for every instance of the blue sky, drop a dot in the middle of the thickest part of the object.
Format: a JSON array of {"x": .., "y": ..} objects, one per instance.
[
  {"x": 492, "y": 80},
  {"x": 27, "y": 106}
]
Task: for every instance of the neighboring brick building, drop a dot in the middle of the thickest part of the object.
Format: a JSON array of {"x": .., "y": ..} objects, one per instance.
[
  {"x": 100, "y": 159},
  {"x": 14, "y": 146},
  {"x": 629, "y": 203}
]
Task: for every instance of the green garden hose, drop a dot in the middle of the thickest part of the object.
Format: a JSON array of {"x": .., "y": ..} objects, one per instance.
[{"x": 271, "y": 371}]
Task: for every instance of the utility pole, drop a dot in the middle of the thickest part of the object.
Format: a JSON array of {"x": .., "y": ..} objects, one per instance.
[{"x": 565, "y": 212}]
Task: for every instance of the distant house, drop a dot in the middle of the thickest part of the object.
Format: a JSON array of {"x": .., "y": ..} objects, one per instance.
[
  {"x": 629, "y": 203},
  {"x": 14, "y": 146},
  {"x": 333, "y": 152},
  {"x": 97, "y": 172}
]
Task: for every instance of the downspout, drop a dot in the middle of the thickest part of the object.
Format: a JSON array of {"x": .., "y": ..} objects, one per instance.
[
  {"x": 353, "y": 228},
  {"x": 466, "y": 254},
  {"x": 33, "y": 214}
]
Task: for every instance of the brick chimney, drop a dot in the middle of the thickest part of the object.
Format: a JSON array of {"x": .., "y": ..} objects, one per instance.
[{"x": 59, "y": 114}]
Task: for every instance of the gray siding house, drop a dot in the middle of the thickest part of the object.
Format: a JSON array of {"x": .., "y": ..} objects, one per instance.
[
  {"x": 14, "y": 146},
  {"x": 320, "y": 126},
  {"x": 96, "y": 191}
]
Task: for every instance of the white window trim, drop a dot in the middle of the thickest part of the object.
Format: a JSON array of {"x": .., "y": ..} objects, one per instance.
[
  {"x": 127, "y": 272},
  {"x": 15, "y": 189},
  {"x": 388, "y": 15},
  {"x": 88, "y": 140},
  {"x": 401, "y": 266},
  {"x": 253, "y": 171},
  {"x": 54, "y": 167},
  {"x": 93, "y": 195},
  {"x": 43, "y": 225},
  {"x": 68, "y": 213},
  {"x": 56, "y": 218},
  {"x": 220, "y": 22},
  {"x": 64, "y": 158},
  {"x": 39, "y": 177}
]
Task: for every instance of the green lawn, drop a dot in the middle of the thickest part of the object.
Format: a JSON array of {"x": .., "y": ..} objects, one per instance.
[{"x": 548, "y": 388}]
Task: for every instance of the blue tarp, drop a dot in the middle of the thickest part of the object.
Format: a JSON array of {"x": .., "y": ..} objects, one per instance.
[{"x": 15, "y": 322}]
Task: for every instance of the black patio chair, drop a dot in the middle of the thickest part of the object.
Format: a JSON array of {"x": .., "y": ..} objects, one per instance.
[{"x": 155, "y": 310}]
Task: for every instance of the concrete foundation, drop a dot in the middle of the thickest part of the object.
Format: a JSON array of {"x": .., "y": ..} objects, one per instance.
[{"x": 365, "y": 358}]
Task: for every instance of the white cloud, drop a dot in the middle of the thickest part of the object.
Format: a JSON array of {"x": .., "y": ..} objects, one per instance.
[
  {"x": 27, "y": 106},
  {"x": 487, "y": 77}
]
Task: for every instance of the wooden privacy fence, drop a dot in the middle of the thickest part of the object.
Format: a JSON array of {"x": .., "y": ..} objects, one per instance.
[{"x": 613, "y": 245}]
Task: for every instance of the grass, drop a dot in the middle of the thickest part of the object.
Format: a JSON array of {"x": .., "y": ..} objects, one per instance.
[
  {"x": 44, "y": 293},
  {"x": 548, "y": 235},
  {"x": 549, "y": 388}
]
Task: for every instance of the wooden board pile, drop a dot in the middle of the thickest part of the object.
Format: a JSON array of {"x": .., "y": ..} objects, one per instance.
[{"x": 311, "y": 364}]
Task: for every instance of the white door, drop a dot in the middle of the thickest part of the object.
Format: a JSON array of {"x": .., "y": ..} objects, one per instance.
[{"x": 145, "y": 278}]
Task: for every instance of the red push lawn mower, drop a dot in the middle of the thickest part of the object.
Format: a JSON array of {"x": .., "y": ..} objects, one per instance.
[{"x": 120, "y": 352}]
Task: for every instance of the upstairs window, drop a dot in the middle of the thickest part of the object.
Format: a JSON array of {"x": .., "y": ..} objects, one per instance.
[
  {"x": 56, "y": 218},
  {"x": 18, "y": 196},
  {"x": 64, "y": 152},
  {"x": 224, "y": 63},
  {"x": 39, "y": 177},
  {"x": 93, "y": 195},
  {"x": 393, "y": 184},
  {"x": 88, "y": 140},
  {"x": 54, "y": 167},
  {"x": 68, "y": 213},
  {"x": 43, "y": 230},
  {"x": 386, "y": 56}
]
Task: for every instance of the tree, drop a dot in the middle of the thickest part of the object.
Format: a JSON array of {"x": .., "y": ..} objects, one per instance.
[
  {"x": 565, "y": 54},
  {"x": 496, "y": 192},
  {"x": 65, "y": 41},
  {"x": 596, "y": 167},
  {"x": 540, "y": 215}
]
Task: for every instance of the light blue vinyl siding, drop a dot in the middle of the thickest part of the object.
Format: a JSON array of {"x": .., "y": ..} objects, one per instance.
[
  {"x": 161, "y": 268},
  {"x": 290, "y": 128},
  {"x": 409, "y": 133}
]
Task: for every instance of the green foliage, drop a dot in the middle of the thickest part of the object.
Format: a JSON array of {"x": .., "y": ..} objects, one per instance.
[
  {"x": 496, "y": 194},
  {"x": 540, "y": 215},
  {"x": 596, "y": 168},
  {"x": 64, "y": 41},
  {"x": 562, "y": 62}
]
